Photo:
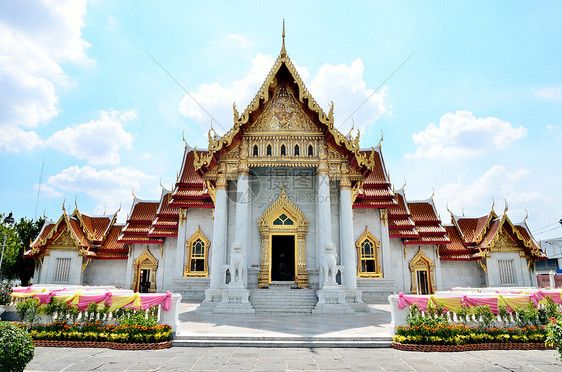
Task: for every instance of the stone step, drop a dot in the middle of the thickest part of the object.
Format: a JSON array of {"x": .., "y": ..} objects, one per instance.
[
  {"x": 284, "y": 342},
  {"x": 202, "y": 337},
  {"x": 283, "y": 301}
]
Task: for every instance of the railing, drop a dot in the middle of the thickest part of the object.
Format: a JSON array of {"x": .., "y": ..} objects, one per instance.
[
  {"x": 82, "y": 296},
  {"x": 509, "y": 298}
]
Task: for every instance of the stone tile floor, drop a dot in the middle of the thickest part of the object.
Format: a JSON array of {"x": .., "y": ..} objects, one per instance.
[
  {"x": 375, "y": 322},
  {"x": 264, "y": 359}
]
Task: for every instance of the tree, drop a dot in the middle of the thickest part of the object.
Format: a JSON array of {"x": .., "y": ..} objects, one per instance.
[{"x": 20, "y": 235}]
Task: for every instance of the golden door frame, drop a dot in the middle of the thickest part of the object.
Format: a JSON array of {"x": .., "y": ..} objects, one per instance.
[
  {"x": 145, "y": 261},
  {"x": 421, "y": 262},
  {"x": 298, "y": 229}
]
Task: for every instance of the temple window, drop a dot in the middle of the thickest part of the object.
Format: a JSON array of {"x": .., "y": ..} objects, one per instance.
[
  {"x": 368, "y": 256},
  {"x": 310, "y": 150},
  {"x": 283, "y": 220},
  {"x": 283, "y": 150},
  {"x": 62, "y": 272},
  {"x": 255, "y": 150},
  {"x": 197, "y": 255},
  {"x": 297, "y": 150},
  {"x": 268, "y": 153}
]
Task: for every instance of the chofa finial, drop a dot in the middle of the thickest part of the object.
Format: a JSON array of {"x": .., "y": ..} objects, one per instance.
[{"x": 283, "y": 50}]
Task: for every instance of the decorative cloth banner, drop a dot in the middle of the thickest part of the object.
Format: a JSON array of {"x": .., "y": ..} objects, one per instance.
[
  {"x": 510, "y": 301},
  {"x": 81, "y": 301}
]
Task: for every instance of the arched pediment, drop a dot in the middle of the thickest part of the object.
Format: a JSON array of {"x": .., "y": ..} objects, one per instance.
[
  {"x": 146, "y": 259},
  {"x": 282, "y": 210}
]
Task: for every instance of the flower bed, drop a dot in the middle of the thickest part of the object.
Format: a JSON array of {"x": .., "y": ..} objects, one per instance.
[
  {"x": 459, "y": 334},
  {"x": 98, "y": 332},
  {"x": 102, "y": 344},
  {"x": 471, "y": 347}
]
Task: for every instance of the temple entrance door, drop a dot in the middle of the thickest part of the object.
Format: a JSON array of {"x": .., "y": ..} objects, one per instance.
[
  {"x": 422, "y": 282},
  {"x": 283, "y": 258},
  {"x": 144, "y": 281}
]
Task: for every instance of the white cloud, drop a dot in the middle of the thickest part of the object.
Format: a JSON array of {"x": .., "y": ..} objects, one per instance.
[
  {"x": 344, "y": 85},
  {"x": 239, "y": 41},
  {"x": 498, "y": 182},
  {"x": 218, "y": 100},
  {"x": 47, "y": 190},
  {"x": 15, "y": 139},
  {"x": 109, "y": 187},
  {"x": 462, "y": 135},
  {"x": 98, "y": 141},
  {"x": 550, "y": 94},
  {"x": 36, "y": 39}
]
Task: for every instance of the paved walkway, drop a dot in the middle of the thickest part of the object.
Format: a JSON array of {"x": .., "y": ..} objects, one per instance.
[
  {"x": 262, "y": 359},
  {"x": 375, "y": 322}
]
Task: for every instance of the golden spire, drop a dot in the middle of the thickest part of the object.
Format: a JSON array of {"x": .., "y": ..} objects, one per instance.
[{"x": 283, "y": 51}]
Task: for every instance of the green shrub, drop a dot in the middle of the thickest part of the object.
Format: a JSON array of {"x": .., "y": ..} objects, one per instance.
[
  {"x": 527, "y": 317},
  {"x": 5, "y": 293},
  {"x": 139, "y": 317},
  {"x": 16, "y": 347},
  {"x": 27, "y": 310},
  {"x": 484, "y": 316}
]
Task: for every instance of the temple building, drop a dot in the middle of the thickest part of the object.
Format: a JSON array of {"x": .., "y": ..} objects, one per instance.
[{"x": 284, "y": 200}]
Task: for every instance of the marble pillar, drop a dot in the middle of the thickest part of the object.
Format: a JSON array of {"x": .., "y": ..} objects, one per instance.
[
  {"x": 218, "y": 245},
  {"x": 241, "y": 232},
  {"x": 349, "y": 253},
  {"x": 324, "y": 219}
]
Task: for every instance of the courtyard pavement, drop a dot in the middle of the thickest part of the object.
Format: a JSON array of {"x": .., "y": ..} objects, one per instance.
[
  {"x": 292, "y": 359},
  {"x": 374, "y": 322}
]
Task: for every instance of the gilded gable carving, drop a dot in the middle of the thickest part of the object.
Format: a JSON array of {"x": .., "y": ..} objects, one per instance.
[
  {"x": 505, "y": 243},
  {"x": 283, "y": 113},
  {"x": 65, "y": 240}
]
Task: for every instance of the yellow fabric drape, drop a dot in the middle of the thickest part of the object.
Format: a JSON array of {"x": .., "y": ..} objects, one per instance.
[
  {"x": 449, "y": 303},
  {"x": 514, "y": 302}
]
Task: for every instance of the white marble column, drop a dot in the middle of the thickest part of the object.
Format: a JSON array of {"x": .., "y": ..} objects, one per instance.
[
  {"x": 324, "y": 218},
  {"x": 242, "y": 217},
  {"x": 218, "y": 245},
  {"x": 129, "y": 269},
  {"x": 386, "y": 261},
  {"x": 181, "y": 250},
  {"x": 349, "y": 253}
]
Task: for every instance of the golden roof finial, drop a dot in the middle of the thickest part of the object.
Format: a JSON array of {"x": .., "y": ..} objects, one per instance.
[
  {"x": 283, "y": 50},
  {"x": 382, "y": 137},
  {"x": 183, "y": 137}
]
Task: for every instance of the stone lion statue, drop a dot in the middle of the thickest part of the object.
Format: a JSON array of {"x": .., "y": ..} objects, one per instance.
[
  {"x": 329, "y": 259},
  {"x": 237, "y": 263}
]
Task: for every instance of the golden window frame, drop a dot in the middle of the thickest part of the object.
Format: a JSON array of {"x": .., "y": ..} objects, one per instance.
[
  {"x": 368, "y": 236},
  {"x": 189, "y": 257}
]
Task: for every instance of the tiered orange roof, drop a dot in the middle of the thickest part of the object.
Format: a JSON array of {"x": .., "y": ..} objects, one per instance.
[
  {"x": 166, "y": 222},
  {"x": 427, "y": 224},
  {"x": 91, "y": 235},
  {"x": 139, "y": 223},
  {"x": 473, "y": 238},
  {"x": 400, "y": 224},
  {"x": 376, "y": 191},
  {"x": 190, "y": 191}
]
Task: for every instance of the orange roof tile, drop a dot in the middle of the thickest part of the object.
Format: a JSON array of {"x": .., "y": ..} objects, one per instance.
[
  {"x": 432, "y": 239},
  {"x": 423, "y": 212},
  {"x": 111, "y": 242},
  {"x": 188, "y": 173},
  {"x": 161, "y": 232},
  {"x": 166, "y": 210},
  {"x": 430, "y": 230},
  {"x": 144, "y": 211}
]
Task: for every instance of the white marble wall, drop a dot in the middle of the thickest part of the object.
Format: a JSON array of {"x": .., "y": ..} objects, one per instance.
[
  {"x": 47, "y": 274},
  {"x": 521, "y": 274},
  {"x": 105, "y": 272},
  {"x": 462, "y": 274}
]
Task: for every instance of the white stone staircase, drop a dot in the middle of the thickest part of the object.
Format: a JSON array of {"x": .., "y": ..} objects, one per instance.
[{"x": 283, "y": 300}]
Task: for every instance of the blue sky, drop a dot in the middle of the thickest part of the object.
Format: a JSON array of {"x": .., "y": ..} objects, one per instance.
[{"x": 475, "y": 113}]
